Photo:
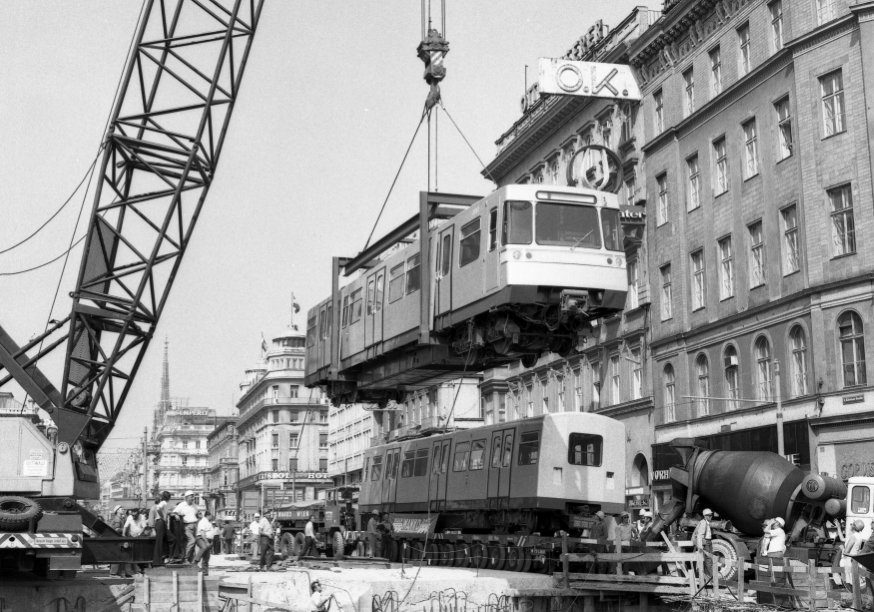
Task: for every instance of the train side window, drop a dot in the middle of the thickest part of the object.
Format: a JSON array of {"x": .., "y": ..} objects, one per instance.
[
  {"x": 477, "y": 455},
  {"x": 508, "y": 449},
  {"x": 330, "y": 323},
  {"x": 444, "y": 461},
  {"x": 407, "y": 467},
  {"x": 389, "y": 464},
  {"x": 311, "y": 331},
  {"x": 393, "y": 472},
  {"x": 355, "y": 314},
  {"x": 366, "y": 468},
  {"x": 529, "y": 448},
  {"x": 493, "y": 229},
  {"x": 496, "y": 452},
  {"x": 860, "y": 499},
  {"x": 517, "y": 223},
  {"x": 469, "y": 244},
  {"x": 446, "y": 254},
  {"x": 376, "y": 474},
  {"x": 421, "y": 467},
  {"x": 323, "y": 324},
  {"x": 584, "y": 449},
  {"x": 345, "y": 311},
  {"x": 370, "y": 285},
  {"x": 413, "y": 275},
  {"x": 612, "y": 229},
  {"x": 462, "y": 456},
  {"x": 396, "y": 283}
]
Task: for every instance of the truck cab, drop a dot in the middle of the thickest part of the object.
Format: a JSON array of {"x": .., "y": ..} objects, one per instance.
[{"x": 860, "y": 502}]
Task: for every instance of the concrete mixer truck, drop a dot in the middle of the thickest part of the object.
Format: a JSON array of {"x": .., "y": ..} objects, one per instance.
[{"x": 747, "y": 488}]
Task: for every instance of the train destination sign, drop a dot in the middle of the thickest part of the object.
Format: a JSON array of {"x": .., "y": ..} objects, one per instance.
[{"x": 588, "y": 79}]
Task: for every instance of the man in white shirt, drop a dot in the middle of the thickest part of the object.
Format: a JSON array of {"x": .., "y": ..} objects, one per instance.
[
  {"x": 309, "y": 533},
  {"x": 256, "y": 532},
  {"x": 777, "y": 539},
  {"x": 703, "y": 540},
  {"x": 321, "y": 602},
  {"x": 265, "y": 529},
  {"x": 205, "y": 533},
  {"x": 188, "y": 512}
]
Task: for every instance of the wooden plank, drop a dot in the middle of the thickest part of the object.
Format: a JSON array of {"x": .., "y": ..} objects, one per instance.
[
  {"x": 182, "y": 597},
  {"x": 259, "y": 602},
  {"x": 765, "y": 587},
  {"x": 714, "y": 560},
  {"x": 857, "y": 589},
  {"x": 811, "y": 585},
  {"x": 650, "y": 579},
  {"x": 633, "y": 557},
  {"x": 740, "y": 580},
  {"x": 625, "y": 587},
  {"x": 680, "y": 567},
  {"x": 565, "y": 564}
]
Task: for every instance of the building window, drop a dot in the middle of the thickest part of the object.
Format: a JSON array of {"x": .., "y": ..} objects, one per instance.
[
  {"x": 715, "y": 72},
  {"x": 323, "y": 440},
  {"x": 799, "y": 361},
  {"x": 689, "y": 81},
  {"x": 578, "y": 390},
  {"x": 658, "y": 99},
  {"x": 852, "y": 349},
  {"x": 757, "y": 256},
  {"x": 666, "y": 291},
  {"x": 776, "y": 9},
  {"x": 670, "y": 395},
  {"x": 595, "y": 367},
  {"x": 275, "y": 440},
  {"x": 833, "y": 112},
  {"x": 694, "y": 183},
  {"x": 732, "y": 388},
  {"x": 529, "y": 405},
  {"x": 751, "y": 149},
  {"x": 703, "y": 370},
  {"x": 726, "y": 271},
  {"x": 743, "y": 43},
  {"x": 636, "y": 374},
  {"x": 697, "y": 279},
  {"x": 843, "y": 225},
  {"x": 763, "y": 369},
  {"x": 292, "y": 440},
  {"x": 662, "y": 210},
  {"x": 614, "y": 380},
  {"x": 292, "y": 464},
  {"x": 721, "y": 158},
  {"x": 274, "y": 464},
  {"x": 784, "y": 127},
  {"x": 825, "y": 10},
  {"x": 790, "y": 240},
  {"x": 633, "y": 296},
  {"x": 626, "y": 130},
  {"x": 631, "y": 188},
  {"x": 275, "y": 413}
]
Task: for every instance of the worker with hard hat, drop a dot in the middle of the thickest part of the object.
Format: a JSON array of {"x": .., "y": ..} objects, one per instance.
[
  {"x": 703, "y": 540},
  {"x": 776, "y": 538},
  {"x": 643, "y": 522},
  {"x": 599, "y": 532}
]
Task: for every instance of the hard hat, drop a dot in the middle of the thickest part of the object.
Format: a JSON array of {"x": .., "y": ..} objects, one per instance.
[
  {"x": 257, "y": 515},
  {"x": 599, "y": 514},
  {"x": 645, "y": 512},
  {"x": 707, "y": 511},
  {"x": 781, "y": 521},
  {"x": 116, "y": 509},
  {"x": 624, "y": 514},
  {"x": 187, "y": 493}
]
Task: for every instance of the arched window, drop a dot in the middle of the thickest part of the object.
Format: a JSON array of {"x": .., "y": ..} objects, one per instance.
[
  {"x": 763, "y": 369},
  {"x": 852, "y": 349},
  {"x": 670, "y": 396},
  {"x": 799, "y": 361},
  {"x": 703, "y": 370},
  {"x": 731, "y": 375}
]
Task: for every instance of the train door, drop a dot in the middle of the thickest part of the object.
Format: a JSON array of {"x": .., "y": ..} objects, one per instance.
[
  {"x": 439, "y": 473},
  {"x": 389, "y": 482},
  {"x": 493, "y": 260},
  {"x": 375, "y": 291},
  {"x": 443, "y": 276},
  {"x": 499, "y": 468}
]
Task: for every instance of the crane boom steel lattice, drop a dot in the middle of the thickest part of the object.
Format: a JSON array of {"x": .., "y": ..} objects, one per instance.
[{"x": 164, "y": 138}]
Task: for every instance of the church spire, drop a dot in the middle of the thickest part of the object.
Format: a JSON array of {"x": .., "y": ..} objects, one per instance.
[{"x": 165, "y": 378}]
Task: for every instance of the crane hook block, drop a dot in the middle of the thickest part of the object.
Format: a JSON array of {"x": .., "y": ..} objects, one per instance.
[{"x": 431, "y": 51}]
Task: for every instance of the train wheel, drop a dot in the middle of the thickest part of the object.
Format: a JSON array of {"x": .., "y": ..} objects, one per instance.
[
  {"x": 432, "y": 554},
  {"x": 497, "y": 554},
  {"x": 513, "y": 557},
  {"x": 462, "y": 554},
  {"x": 446, "y": 552},
  {"x": 529, "y": 360}
]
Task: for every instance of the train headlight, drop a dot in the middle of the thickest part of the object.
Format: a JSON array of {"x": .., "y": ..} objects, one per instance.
[
  {"x": 528, "y": 254},
  {"x": 516, "y": 254}
]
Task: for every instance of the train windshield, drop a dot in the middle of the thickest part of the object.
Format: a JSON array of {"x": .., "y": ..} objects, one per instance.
[
  {"x": 584, "y": 449},
  {"x": 612, "y": 229},
  {"x": 567, "y": 225},
  {"x": 518, "y": 223}
]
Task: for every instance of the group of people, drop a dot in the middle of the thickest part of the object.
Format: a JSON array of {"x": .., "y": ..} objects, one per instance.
[{"x": 379, "y": 529}]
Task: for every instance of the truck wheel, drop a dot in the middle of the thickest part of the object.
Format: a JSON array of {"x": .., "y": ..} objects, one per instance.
[
  {"x": 16, "y": 512},
  {"x": 462, "y": 554},
  {"x": 299, "y": 541},
  {"x": 726, "y": 553},
  {"x": 478, "y": 556},
  {"x": 514, "y": 558},
  {"x": 497, "y": 556},
  {"x": 339, "y": 545},
  {"x": 432, "y": 554},
  {"x": 286, "y": 545},
  {"x": 446, "y": 552}
]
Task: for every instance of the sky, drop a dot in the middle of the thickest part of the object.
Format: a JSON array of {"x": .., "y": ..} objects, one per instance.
[{"x": 329, "y": 103}]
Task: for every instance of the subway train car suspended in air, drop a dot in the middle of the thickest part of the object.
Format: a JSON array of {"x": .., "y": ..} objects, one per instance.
[{"x": 509, "y": 276}]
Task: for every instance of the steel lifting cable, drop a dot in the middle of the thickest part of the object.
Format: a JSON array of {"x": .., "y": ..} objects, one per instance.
[{"x": 492, "y": 178}]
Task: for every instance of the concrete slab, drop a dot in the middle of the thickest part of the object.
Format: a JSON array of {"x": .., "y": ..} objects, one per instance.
[{"x": 79, "y": 595}]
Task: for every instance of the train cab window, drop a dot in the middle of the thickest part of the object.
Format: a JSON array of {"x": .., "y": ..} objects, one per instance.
[
  {"x": 860, "y": 500},
  {"x": 393, "y": 467},
  {"x": 570, "y": 225},
  {"x": 396, "y": 283},
  {"x": 444, "y": 459},
  {"x": 508, "y": 449},
  {"x": 377, "y": 296},
  {"x": 407, "y": 467},
  {"x": 446, "y": 254},
  {"x": 496, "y": 452},
  {"x": 421, "y": 467},
  {"x": 612, "y": 229},
  {"x": 355, "y": 312},
  {"x": 469, "y": 244},
  {"x": 477, "y": 455},
  {"x": 517, "y": 223},
  {"x": 311, "y": 331},
  {"x": 462, "y": 457},
  {"x": 584, "y": 449},
  {"x": 529, "y": 448},
  {"x": 493, "y": 229},
  {"x": 370, "y": 285},
  {"x": 376, "y": 474},
  {"x": 344, "y": 320},
  {"x": 413, "y": 276}
]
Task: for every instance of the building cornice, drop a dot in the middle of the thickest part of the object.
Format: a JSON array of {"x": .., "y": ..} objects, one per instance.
[
  {"x": 644, "y": 403},
  {"x": 826, "y": 33}
]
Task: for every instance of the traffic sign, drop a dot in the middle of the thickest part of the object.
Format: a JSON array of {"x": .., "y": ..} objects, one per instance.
[{"x": 588, "y": 79}]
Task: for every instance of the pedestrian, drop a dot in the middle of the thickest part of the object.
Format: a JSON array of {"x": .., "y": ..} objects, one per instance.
[
  {"x": 372, "y": 536},
  {"x": 309, "y": 532},
  {"x": 387, "y": 529},
  {"x": 321, "y": 602},
  {"x": 598, "y": 531},
  {"x": 135, "y": 527},
  {"x": 204, "y": 541},
  {"x": 158, "y": 523},
  {"x": 265, "y": 531},
  {"x": 254, "y": 553},
  {"x": 119, "y": 516},
  {"x": 228, "y": 537},
  {"x": 776, "y": 539},
  {"x": 702, "y": 537},
  {"x": 869, "y": 544},
  {"x": 643, "y": 523},
  {"x": 188, "y": 513},
  {"x": 626, "y": 529},
  {"x": 852, "y": 547}
]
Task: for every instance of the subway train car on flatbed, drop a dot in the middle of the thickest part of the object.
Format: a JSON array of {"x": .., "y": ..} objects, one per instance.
[
  {"x": 536, "y": 475},
  {"x": 509, "y": 276}
]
